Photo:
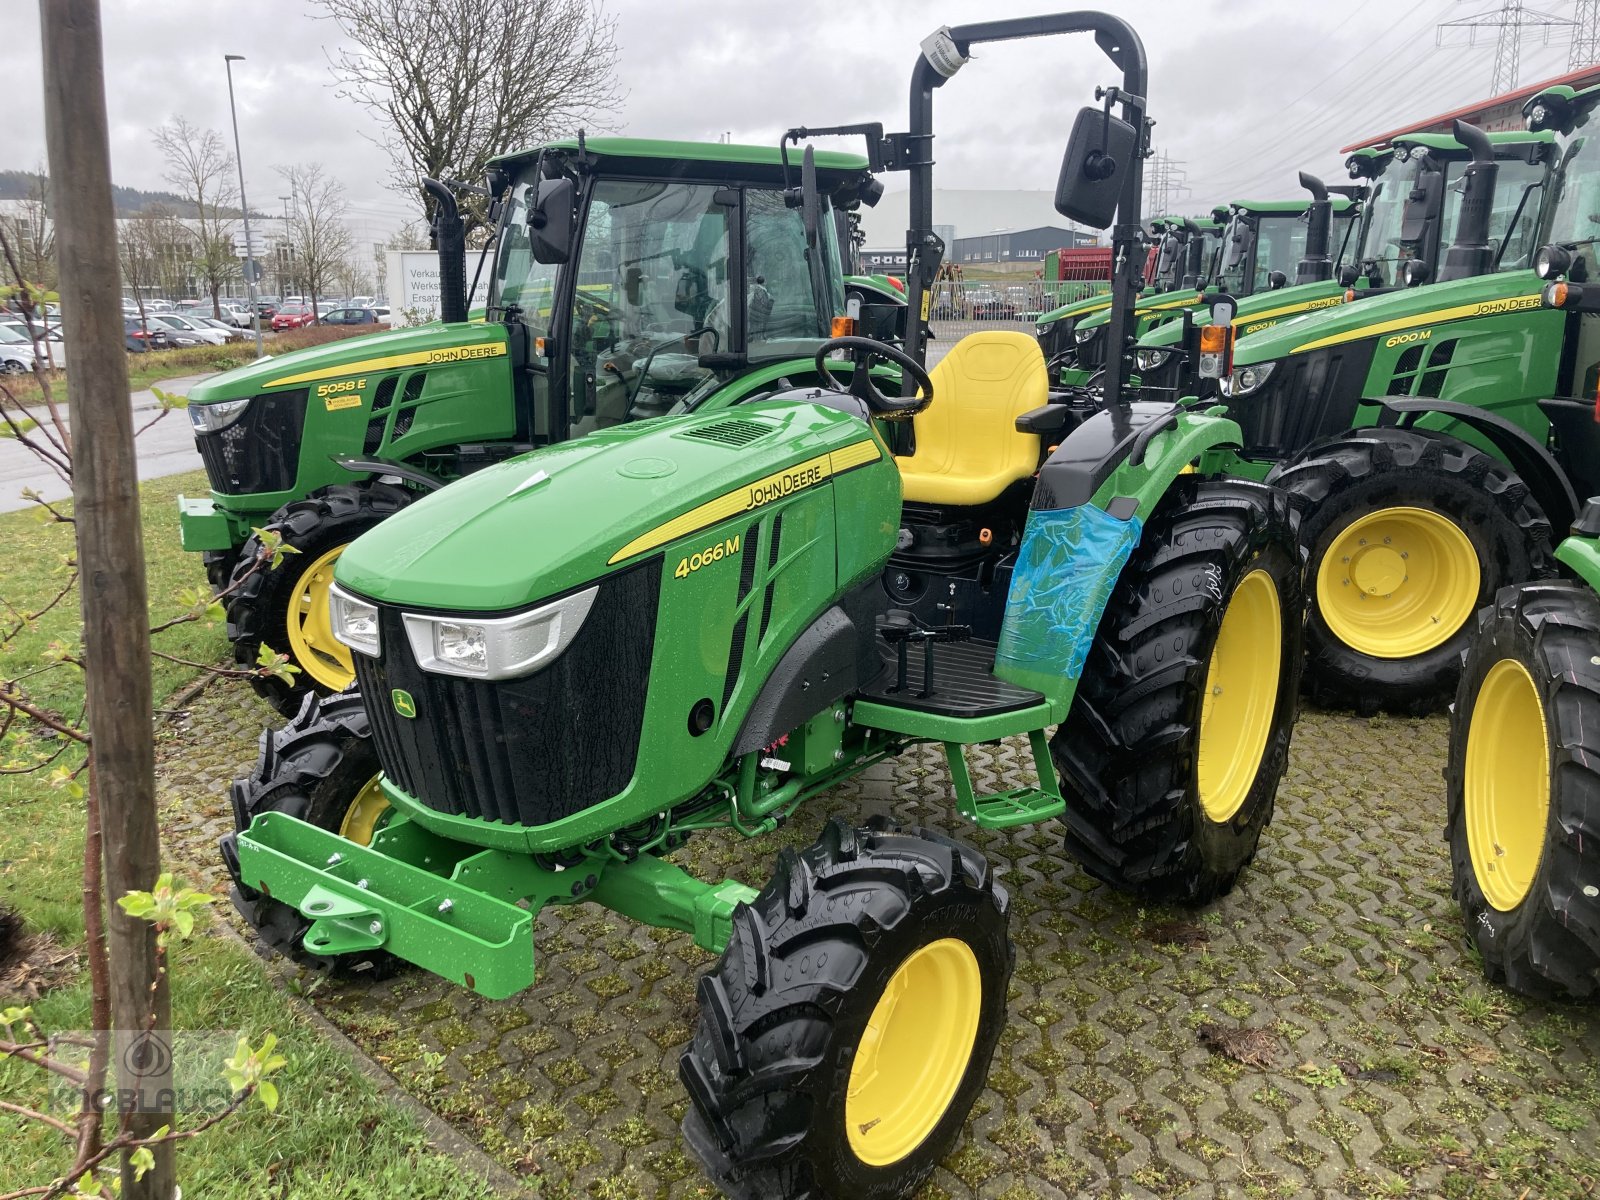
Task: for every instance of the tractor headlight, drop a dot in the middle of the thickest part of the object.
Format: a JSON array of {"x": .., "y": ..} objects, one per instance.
[
  {"x": 208, "y": 418},
  {"x": 496, "y": 647},
  {"x": 1084, "y": 336},
  {"x": 1151, "y": 360},
  {"x": 355, "y": 622},
  {"x": 1246, "y": 380}
]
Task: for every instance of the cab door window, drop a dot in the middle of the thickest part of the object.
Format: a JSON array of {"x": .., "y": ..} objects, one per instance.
[{"x": 651, "y": 296}]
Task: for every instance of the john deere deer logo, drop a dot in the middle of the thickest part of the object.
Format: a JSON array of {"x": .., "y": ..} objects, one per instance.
[{"x": 403, "y": 703}]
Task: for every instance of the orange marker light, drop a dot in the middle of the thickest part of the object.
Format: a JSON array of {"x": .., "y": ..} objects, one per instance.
[
  {"x": 843, "y": 327},
  {"x": 985, "y": 536},
  {"x": 538, "y": 347},
  {"x": 1558, "y": 295},
  {"x": 1213, "y": 339},
  {"x": 1349, "y": 295}
]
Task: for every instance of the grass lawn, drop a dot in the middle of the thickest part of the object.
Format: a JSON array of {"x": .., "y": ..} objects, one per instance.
[{"x": 334, "y": 1134}]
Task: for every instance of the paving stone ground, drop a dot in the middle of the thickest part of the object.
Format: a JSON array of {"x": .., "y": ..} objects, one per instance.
[{"x": 1392, "y": 1068}]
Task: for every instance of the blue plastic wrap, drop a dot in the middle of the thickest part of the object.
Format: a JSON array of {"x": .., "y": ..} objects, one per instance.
[{"x": 1069, "y": 562}]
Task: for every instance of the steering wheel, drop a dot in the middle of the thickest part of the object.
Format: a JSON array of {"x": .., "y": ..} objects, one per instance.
[{"x": 862, "y": 353}]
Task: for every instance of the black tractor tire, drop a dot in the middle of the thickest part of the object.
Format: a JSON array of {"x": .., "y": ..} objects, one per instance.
[
  {"x": 1344, "y": 479},
  {"x": 1129, "y": 753},
  {"x": 313, "y": 768},
  {"x": 1547, "y": 943},
  {"x": 258, "y": 611},
  {"x": 219, "y": 566},
  {"x": 783, "y": 1015}
]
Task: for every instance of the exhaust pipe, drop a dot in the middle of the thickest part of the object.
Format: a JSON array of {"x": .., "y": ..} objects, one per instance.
[
  {"x": 1470, "y": 254},
  {"x": 450, "y": 238},
  {"x": 1317, "y": 265}
]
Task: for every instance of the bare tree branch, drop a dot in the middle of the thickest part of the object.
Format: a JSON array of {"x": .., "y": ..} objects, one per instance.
[
  {"x": 458, "y": 84},
  {"x": 317, "y": 230},
  {"x": 199, "y": 165}
]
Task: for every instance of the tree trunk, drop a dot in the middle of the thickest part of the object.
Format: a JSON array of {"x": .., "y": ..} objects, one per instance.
[{"x": 110, "y": 545}]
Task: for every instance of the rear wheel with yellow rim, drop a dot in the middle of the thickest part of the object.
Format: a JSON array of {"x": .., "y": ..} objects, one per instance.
[
  {"x": 849, "y": 1026},
  {"x": 1408, "y": 535},
  {"x": 1523, "y": 785},
  {"x": 286, "y": 607},
  {"x": 323, "y": 769},
  {"x": 1179, "y": 733}
]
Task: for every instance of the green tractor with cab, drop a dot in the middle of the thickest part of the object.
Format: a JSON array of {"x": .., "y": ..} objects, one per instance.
[
  {"x": 1523, "y": 779},
  {"x": 1434, "y": 436},
  {"x": 1261, "y": 242},
  {"x": 571, "y": 661},
  {"x": 1412, "y": 202},
  {"x": 704, "y": 281}
]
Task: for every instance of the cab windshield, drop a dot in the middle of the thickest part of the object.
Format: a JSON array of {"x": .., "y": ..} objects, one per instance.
[
  {"x": 1382, "y": 245},
  {"x": 1278, "y": 241},
  {"x": 1575, "y": 204}
]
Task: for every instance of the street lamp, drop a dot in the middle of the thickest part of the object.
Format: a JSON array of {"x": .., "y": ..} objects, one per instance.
[{"x": 244, "y": 206}]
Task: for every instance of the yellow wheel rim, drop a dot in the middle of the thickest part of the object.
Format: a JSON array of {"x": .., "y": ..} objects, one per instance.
[
  {"x": 323, "y": 658},
  {"x": 1507, "y": 784},
  {"x": 1398, "y": 582},
  {"x": 366, "y": 812},
  {"x": 1241, "y": 696},
  {"x": 914, "y": 1052}
]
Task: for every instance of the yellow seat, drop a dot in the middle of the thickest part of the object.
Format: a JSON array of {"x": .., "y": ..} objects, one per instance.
[{"x": 968, "y": 449}]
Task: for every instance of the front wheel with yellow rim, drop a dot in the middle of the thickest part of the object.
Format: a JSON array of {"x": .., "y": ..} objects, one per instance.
[
  {"x": 1408, "y": 534},
  {"x": 285, "y": 607},
  {"x": 849, "y": 1026},
  {"x": 322, "y": 768},
  {"x": 1179, "y": 733},
  {"x": 1523, "y": 785}
]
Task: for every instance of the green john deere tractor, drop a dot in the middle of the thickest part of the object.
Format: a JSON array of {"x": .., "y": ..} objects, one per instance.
[
  {"x": 705, "y": 281},
  {"x": 1523, "y": 779},
  {"x": 1436, "y": 435},
  {"x": 1410, "y": 211},
  {"x": 571, "y": 661},
  {"x": 1260, "y": 242}
]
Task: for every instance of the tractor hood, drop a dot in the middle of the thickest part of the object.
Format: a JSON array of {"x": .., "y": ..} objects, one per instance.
[
  {"x": 353, "y": 356},
  {"x": 1392, "y": 313},
  {"x": 1260, "y": 311},
  {"x": 553, "y": 520},
  {"x": 1149, "y": 306},
  {"x": 1078, "y": 308}
]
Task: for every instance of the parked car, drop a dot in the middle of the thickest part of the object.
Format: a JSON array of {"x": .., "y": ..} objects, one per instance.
[
  {"x": 363, "y": 302},
  {"x": 148, "y": 334},
  {"x": 237, "y": 315},
  {"x": 293, "y": 316},
  {"x": 51, "y": 347},
  {"x": 228, "y": 331},
  {"x": 351, "y": 316},
  {"x": 185, "y": 331},
  {"x": 16, "y": 351},
  {"x": 267, "y": 308}
]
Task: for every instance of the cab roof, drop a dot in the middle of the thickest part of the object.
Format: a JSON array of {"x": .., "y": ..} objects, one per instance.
[
  {"x": 1341, "y": 205},
  {"x": 718, "y": 159}
]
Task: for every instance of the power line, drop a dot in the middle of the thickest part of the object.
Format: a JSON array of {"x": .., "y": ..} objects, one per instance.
[{"x": 1508, "y": 21}]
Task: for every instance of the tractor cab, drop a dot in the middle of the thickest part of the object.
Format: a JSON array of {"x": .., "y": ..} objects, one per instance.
[
  {"x": 1265, "y": 240},
  {"x": 641, "y": 279}
]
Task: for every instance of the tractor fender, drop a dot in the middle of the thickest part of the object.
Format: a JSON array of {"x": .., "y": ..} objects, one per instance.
[
  {"x": 833, "y": 656},
  {"x": 1533, "y": 462},
  {"x": 1134, "y": 452}
]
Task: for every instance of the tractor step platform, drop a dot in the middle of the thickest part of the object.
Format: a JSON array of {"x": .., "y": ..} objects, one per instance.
[
  {"x": 964, "y": 682},
  {"x": 360, "y": 899},
  {"x": 1017, "y": 806}
]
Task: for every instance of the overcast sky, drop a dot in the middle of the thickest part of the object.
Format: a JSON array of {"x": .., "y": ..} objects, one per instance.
[{"x": 1244, "y": 92}]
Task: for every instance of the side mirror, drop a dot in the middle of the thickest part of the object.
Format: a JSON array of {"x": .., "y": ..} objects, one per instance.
[
  {"x": 1098, "y": 152},
  {"x": 550, "y": 224},
  {"x": 1276, "y": 280}
]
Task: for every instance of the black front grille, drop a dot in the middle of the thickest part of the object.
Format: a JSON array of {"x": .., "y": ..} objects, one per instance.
[
  {"x": 1092, "y": 354},
  {"x": 1309, "y": 396},
  {"x": 526, "y": 751},
  {"x": 260, "y": 452}
]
